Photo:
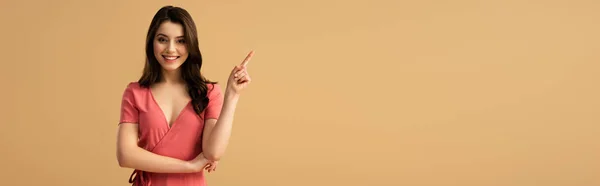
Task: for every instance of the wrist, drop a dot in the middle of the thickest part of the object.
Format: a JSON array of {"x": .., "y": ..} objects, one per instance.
[
  {"x": 231, "y": 96},
  {"x": 189, "y": 166}
]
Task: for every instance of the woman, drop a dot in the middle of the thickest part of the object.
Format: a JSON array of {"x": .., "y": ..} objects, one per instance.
[{"x": 174, "y": 123}]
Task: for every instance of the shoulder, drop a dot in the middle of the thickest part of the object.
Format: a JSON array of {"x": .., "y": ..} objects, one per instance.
[
  {"x": 133, "y": 89},
  {"x": 133, "y": 86},
  {"x": 213, "y": 86},
  {"x": 214, "y": 89}
]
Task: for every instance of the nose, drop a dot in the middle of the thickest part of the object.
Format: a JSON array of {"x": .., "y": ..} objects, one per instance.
[{"x": 171, "y": 48}]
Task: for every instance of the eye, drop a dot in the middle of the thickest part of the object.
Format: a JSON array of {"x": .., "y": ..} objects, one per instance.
[
  {"x": 162, "y": 40},
  {"x": 181, "y": 41}
]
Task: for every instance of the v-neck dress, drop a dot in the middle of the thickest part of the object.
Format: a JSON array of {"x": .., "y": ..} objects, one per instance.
[{"x": 182, "y": 140}]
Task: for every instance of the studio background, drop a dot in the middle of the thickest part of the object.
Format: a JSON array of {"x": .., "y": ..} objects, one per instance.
[{"x": 379, "y": 92}]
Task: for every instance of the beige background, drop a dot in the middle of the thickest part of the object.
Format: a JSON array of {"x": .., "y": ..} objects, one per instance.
[{"x": 419, "y": 93}]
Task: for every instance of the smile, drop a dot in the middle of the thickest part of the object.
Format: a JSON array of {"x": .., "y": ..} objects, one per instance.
[{"x": 170, "y": 58}]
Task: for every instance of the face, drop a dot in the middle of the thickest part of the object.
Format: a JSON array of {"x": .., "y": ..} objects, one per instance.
[{"x": 169, "y": 46}]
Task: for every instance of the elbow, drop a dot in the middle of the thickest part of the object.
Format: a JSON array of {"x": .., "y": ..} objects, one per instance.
[
  {"x": 122, "y": 160},
  {"x": 212, "y": 156},
  {"x": 122, "y": 163}
]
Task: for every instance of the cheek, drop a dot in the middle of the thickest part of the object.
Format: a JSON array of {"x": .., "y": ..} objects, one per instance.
[
  {"x": 158, "y": 48},
  {"x": 183, "y": 50}
]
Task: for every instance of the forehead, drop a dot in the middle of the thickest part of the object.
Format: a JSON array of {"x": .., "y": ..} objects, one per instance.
[{"x": 170, "y": 29}]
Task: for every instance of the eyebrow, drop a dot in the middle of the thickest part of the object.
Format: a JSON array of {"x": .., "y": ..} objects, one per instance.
[{"x": 168, "y": 36}]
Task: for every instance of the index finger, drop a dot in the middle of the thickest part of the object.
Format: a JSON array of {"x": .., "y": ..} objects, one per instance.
[{"x": 248, "y": 57}]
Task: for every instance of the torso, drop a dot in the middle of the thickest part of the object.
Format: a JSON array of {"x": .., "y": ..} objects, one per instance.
[
  {"x": 168, "y": 125},
  {"x": 171, "y": 99}
]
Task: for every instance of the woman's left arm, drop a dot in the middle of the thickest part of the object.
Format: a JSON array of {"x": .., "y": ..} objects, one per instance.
[{"x": 217, "y": 132}]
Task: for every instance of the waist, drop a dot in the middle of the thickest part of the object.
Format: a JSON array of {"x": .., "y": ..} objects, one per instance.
[{"x": 167, "y": 179}]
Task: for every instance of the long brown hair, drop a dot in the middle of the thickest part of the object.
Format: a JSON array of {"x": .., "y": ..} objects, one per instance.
[{"x": 190, "y": 69}]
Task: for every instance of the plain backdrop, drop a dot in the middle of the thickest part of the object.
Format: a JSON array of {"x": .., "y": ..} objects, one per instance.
[{"x": 377, "y": 92}]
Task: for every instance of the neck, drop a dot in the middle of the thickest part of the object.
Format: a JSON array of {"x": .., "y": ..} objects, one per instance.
[{"x": 172, "y": 77}]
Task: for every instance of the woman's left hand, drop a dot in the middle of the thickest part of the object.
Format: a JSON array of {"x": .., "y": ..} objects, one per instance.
[
  {"x": 239, "y": 77},
  {"x": 212, "y": 166}
]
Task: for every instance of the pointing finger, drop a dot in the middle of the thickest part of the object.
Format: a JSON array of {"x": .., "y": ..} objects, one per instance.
[{"x": 248, "y": 57}]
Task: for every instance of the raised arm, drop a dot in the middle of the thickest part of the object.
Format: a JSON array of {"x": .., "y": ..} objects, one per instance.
[{"x": 217, "y": 132}]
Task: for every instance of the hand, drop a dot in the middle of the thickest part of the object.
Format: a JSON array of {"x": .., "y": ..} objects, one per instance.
[
  {"x": 212, "y": 166},
  {"x": 239, "y": 77},
  {"x": 199, "y": 163}
]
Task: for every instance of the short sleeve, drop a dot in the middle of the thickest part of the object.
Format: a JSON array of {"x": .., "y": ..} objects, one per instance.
[
  {"x": 129, "y": 112},
  {"x": 215, "y": 102}
]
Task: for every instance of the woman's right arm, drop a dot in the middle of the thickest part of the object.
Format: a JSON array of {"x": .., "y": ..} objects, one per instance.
[{"x": 130, "y": 155}]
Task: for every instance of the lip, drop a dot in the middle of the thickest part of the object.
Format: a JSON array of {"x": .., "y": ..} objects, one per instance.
[{"x": 170, "y": 59}]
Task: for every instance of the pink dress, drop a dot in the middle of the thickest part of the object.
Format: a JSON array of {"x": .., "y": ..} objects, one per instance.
[{"x": 183, "y": 140}]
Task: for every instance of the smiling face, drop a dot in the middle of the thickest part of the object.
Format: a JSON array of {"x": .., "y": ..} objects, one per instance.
[{"x": 170, "y": 46}]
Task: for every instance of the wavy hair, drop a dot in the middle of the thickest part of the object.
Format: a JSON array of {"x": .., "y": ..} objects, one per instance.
[{"x": 190, "y": 70}]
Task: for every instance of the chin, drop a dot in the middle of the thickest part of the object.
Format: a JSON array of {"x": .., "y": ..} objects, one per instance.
[{"x": 170, "y": 66}]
